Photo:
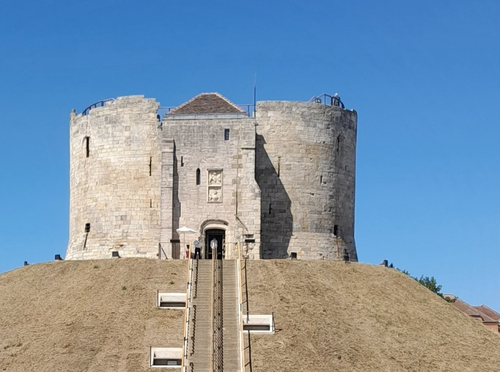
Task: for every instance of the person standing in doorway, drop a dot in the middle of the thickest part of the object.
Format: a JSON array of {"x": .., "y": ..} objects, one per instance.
[
  {"x": 213, "y": 246},
  {"x": 197, "y": 249}
]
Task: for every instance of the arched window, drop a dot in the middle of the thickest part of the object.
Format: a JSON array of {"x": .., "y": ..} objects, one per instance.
[{"x": 198, "y": 176}]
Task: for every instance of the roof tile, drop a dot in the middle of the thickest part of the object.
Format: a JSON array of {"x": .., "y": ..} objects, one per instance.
[{"x": 207, "y": 103}]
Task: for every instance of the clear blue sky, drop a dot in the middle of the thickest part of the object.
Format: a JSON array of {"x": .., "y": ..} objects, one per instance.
[{"x": 423, "y": 76}]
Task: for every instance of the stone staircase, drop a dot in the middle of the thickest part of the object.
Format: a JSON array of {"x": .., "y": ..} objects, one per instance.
[
  {"x": 200, "y": 324},
  {"x": 231, "y": 317}
]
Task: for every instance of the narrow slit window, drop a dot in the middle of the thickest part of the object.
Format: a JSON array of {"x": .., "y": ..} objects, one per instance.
[
  {"x": 320, "y": 180},
  {"x": 338, "y": 144},
  {"x": 279, "y": 165},
  {"x": 198, "y": 176},
  {"x": 226, "y": 134},
  {"x": 182, "y": 161},
  {"x": 87, "y": 230},
  {"x": 270, "y": 208},
  {"x": 87, "y": 147},
  {"x": 150, "y": 164},
  {"x": 336, "y": 230}
]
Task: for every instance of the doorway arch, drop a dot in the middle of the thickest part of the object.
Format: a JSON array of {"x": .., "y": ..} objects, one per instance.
[
  {"x": 216, "y": 237},
  {"x": 214, "y": 229}
]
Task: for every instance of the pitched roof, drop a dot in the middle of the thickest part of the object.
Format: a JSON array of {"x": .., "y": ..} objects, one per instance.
[
  {"x": 472, "y": 311},
  {"x": 207, "y": 103},
  {"x": 490, "y": 312}
]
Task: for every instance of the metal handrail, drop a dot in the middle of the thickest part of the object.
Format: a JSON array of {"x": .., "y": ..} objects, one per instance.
[
  {"x": 218, "y": 319},
  {"x": 196, "y": 279},
  {"x": 211, "y": 362},
  {"x": 248, "y": 319},
  {"x": 97, "y": 104},
  {"x": 193, "y": 337},
  {"x": 328, "y": 100},
  {"x": 248, "y": 108},
  {"x": 240, "y": 298},
  {"x": 186, "y": 313}
]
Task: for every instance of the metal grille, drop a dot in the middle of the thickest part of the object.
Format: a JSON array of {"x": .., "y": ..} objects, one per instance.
[{"x": 218, "y": 319}]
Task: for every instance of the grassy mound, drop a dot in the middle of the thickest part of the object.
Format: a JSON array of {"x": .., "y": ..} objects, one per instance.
[
  {"x": 87, "y": 315},
  {"x": 102, "y": 316},
  {"x": 332, "y": 316}
]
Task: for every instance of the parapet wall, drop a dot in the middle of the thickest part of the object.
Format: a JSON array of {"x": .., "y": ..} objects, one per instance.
[
  {"x": 306, "y": 171},
  {"x": 115, "y": 180}
]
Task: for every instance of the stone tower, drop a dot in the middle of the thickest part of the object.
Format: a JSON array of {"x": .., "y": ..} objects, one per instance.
[
  {"x": 115, "y": 179},
  {"x": 277, "y": 184},
  {"x": 306, "y": 172}
]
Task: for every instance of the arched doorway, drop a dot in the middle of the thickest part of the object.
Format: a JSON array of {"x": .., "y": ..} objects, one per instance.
[{"x": 220, "y": 236}]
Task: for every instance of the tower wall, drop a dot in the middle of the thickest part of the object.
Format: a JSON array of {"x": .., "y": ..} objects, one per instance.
[
  {"x": 306, "y": 172},
  {"x": 115, "y": 175},
  {"x": 201, "y": 146}
]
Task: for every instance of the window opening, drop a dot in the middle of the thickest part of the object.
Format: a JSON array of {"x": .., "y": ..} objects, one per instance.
[
  {"x": 182, "y": 161},
  {"x": 87, "y": 230},
  {"x": 293, "y": 255},
  {"x": 166, "y": 357},
  {"x": 87, "y": 147},
  {"x": 338, "y": 143},
  {"x": 198, "y": 176},
  {"x": 150, "y": 164},
  {"x": 171, "y": 300},
  {"x": 320, "y": 180},
  {"x": 270, "y": 208},
  {"x": 279, "y": 165},
  {"x": 258, "y": 323},
  {"x": 336, "y": 230},
  {"x": 226, "y": 134},
  {"x": 150, "y": 203}
]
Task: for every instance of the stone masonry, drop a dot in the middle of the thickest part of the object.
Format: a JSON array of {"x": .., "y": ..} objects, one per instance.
[{"x": 278, "y": 184}]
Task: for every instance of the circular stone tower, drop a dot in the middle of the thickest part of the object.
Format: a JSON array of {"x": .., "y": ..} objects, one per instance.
[
  {"x": 115, "y": 180},
  {"x": 305, "y": 167}
]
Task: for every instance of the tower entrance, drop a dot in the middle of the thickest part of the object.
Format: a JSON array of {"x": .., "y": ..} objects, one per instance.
[{"x": 215, "y": 237}]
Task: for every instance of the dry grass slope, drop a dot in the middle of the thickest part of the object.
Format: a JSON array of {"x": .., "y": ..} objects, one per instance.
[
  {"x": 352, "y": 317},
  {"x": 77, "y": 316}
]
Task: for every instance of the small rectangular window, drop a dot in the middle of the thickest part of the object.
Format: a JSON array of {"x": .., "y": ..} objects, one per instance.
[
  {"x": 166, "y": 357},
  {"x": 171, "y": 301},
  {"x": 226, "y": 134},
  {"x": 87, "y": 147},
  {"x": 258, "y": 323}
]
